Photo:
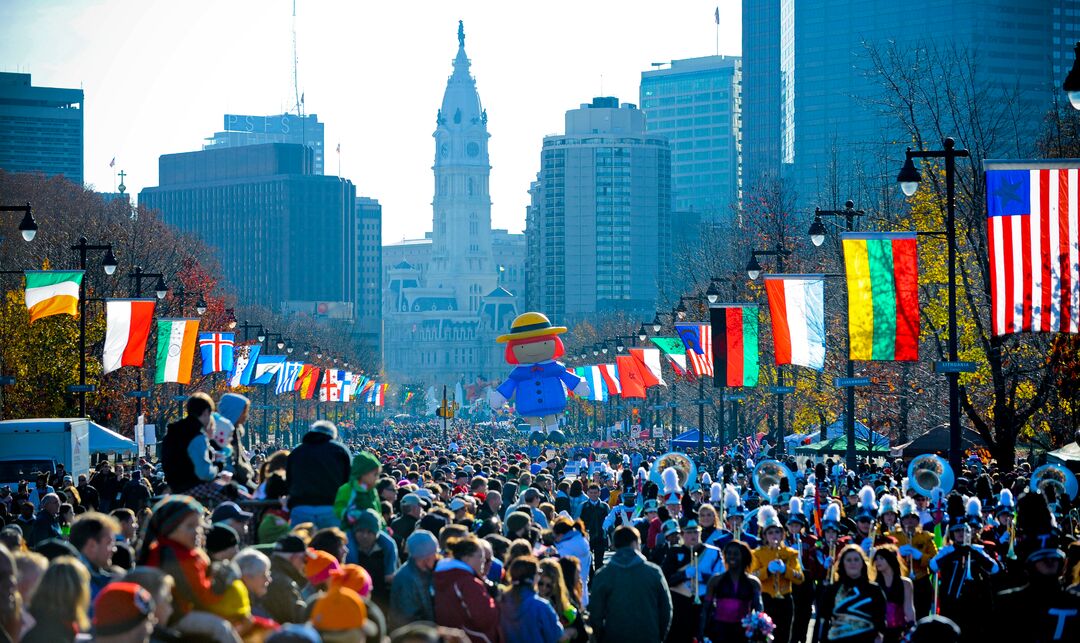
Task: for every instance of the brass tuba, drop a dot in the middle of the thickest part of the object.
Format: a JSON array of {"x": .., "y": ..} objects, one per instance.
[
  {"x": 928, "y": 471},
  {"x": 768, "y": 473},
  {"x": 1056, "y": 476},
  {"x": 683, "y": 465}
]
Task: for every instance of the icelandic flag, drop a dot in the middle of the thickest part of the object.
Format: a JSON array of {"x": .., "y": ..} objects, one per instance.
[
  {"x": 266, "y": 368},
  {"x": 286, "y": 381},
  {"x": 591, "y": 375},
  {"x": 217, "y": 352},
  {"x": 244, "y": 359}
]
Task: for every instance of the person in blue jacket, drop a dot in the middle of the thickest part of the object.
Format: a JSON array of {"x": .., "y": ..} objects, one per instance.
[
  {"x": 538, "y": 383},
  {"x": 525, "y": 617}
]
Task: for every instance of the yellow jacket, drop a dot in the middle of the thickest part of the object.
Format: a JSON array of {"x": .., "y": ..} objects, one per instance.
[
  {"x": 776, "y": 585},
  {"x": 922, "y": 541}
]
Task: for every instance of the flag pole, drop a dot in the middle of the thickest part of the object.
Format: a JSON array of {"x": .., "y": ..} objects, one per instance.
[{"x": 717, "y": 20}]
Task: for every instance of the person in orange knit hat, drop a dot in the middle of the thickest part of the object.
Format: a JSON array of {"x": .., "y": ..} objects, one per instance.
[
  {"x": 123, "y": 613},
  {"x": 340, "y": 616}
]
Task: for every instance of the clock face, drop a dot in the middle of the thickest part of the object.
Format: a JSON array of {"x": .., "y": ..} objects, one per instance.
[{"x": 472, "y": 149}]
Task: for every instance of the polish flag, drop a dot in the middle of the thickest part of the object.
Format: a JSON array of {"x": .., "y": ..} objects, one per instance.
[{"x": 127, "y": 327}]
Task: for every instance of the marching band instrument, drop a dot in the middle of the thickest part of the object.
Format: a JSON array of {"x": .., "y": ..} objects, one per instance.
[
  {"x": 695, "y": 582},
  {"x": 776, "y": 577},
  {"x": 910, "y": 533},
  {"x": 928, "y": 471},
  {"x": 1012, "y": 539},
  {"x": 768, "y": 473},
  {"x": 1056, "y": 476},
  {"x": 683, "y": 465}
]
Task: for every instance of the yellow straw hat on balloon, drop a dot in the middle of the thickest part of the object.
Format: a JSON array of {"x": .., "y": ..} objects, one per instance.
[{"x": 528, "y": 325}]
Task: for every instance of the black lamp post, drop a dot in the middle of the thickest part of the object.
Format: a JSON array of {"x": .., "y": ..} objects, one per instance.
[
  {"x": 909, "y": 179},
  {"x": 817, "y": 234},
  {"x": 753, "y": 270},
  {"x": 160, "y": 290},
  {"x": 1071, "y": 86},
  {"x": 28, "y": 226},
  {"x": 180, "y": 297},
  {"x": 108, "y": 264}
]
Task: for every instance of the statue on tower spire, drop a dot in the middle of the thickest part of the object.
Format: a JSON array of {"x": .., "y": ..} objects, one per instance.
[{"x": 461, "y": 33}]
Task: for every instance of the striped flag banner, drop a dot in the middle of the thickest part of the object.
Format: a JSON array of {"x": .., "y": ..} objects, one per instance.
[
  {"x": 649, "y": 364},
  {"x": 287, "y": 376},
  {"x": 244, "y": 359},
  {"x": 127, "y": 328},
  {"x": 308, "y": 382},
  {"x": 797, "y": 308},
  {"x": 734, "y": 344},
  {"x": 175, "y": 350},
  {"x": 610, "y": 374},
  {"x": 1034, "y": 244},
  {"x": 266, "y": 368},
  {"x": 592, "y": 377},
  {"x": 697, "y": 337},
  {"x": 52, "y": 292},
  {"x": 674, "y": 349},
  {"x": 883, "y": 295}
]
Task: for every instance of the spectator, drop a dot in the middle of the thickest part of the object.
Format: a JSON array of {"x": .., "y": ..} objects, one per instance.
[
  {"x": 94, "y": 535},
  {"x": 461, "y": 598},
  {"x": 128, "y": 527},
  {"x": 124, "y": 613},
  {"x": 570, "y": 540},
  {"x": 222, "y": 542},
  {"x": 10, "y": 603},
  {"x": 234, "y": 407},
  {"x": 231, "y": 514},
  {"x": 340, "y": 616},
  {"x": 107, "y": 485},
  {"x": 374, "y": 550},
  {"x": 136, "y": 492},
  {"x": 61, "y": 602},
  {"x": 254, "y": 569},
  {"x": 160, "y": 585},
  {"x": 410, "y": 592},
  {"x": 185, "y": 451},
  {"x": 524, "y": 616},
  {"x": 316, "y": 470},
  {"x": 283, "y": 601},
  {"x": 360, "y": 492},
  {"x": 47, "y": 522},
  {"x": 411, "y": 512},
  {"x": 629, "y": 599},
  {"x": 333, "y": 541},
  {"x": 88, "y": 493}
]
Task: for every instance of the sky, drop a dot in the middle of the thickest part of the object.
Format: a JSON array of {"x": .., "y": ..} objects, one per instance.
[{"x": 159, "y": 76}]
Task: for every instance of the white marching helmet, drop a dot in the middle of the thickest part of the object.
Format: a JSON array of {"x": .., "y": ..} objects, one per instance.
[
  {"x": 831, "y": 518},
  {"x": 716, "y": 493},
  {"x": 907, "y": 508},
  {"x": 774, "y": 494},
  {"x": 731, "y": 502},
  {"x": 672, "y": 492},
  {"x": 888, "y": 505},
  {"x": 766, "y": 518},
  {"x": 706, "y": 480}
]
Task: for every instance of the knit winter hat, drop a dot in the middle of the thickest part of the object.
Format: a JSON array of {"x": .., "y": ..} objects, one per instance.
[
  {"x": 363, "y": 463},
  {"x": 232, "y": 405},
  {"x": 220, "y": 537},
  {"x": 319, "y": 565},
  {"x": 421, "y": 544},
  {"x": 234, "y": 604},
  {"x": 295, "y": 633},
  {"x": 121, "y": 607},
  {"x": 170, "y": 511},
  {"x": 353, "y": 577},
  {"x": 362, "y": 520},
  {"x": 340, "y": 609}
]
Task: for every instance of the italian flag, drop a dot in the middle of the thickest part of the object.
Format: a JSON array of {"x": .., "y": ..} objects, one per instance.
[
  {"x": 175, "y": 350},
  {"x": 797, "y": 308},
  {"x": 735, "y": 344},
  {"x": 883, "y": 295},
  {"x": 127, "y": 327},
  {"x": 52, "y": 292}
]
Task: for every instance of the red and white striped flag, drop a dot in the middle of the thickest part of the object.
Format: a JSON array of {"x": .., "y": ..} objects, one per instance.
[
  {"x": 697, "y": 338},
  {"x": 1034, "y": 245}
]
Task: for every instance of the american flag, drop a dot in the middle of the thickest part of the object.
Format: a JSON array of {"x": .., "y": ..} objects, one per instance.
[
  {"x": 697, "y": 338},
  {"x": 1032, "y": 231}
]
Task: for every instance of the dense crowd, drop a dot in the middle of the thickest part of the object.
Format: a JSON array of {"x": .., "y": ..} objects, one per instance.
[{"x": 401, "y": 534}]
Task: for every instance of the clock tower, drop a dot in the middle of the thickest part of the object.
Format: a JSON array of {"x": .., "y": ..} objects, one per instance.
[{"x": 461, "y": 256}]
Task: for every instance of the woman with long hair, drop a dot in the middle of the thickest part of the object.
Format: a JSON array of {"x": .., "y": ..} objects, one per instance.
[
  {"x": 709, "y": 521},
  {"x": 61, "y": 603},
  {"x": 525, "y": 616},
  {"x": 889, "y": 573},
  {"x": 551, "y": 585},
  {"x": 462, "y": 600},
  {"x": 275, "y": 464},
  {"x": 852, "y": 609},
  {"x": 571, "y": 540},
  {"x": 731, "y": 595}
]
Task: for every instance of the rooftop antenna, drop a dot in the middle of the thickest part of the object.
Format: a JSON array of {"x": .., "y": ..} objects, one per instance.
[{"x": 296, "y": 90}]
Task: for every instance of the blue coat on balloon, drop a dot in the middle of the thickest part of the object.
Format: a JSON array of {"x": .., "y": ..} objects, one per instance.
[{"x": 539, "y": 388}]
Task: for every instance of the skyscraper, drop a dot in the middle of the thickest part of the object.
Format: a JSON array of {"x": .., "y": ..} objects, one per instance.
[
  {"x": 601, "y": 219},
  {"x": 760, "y": 90},
  {"x": 41, "y": 128},
  {"x": 696, "y": 104},
  {"x": 441, "y": 323},
  {"x": 369, "y": 278},
  {"x": 245, "y": 129}
]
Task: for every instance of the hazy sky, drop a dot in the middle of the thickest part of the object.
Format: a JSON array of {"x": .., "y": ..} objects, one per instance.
[{"x": 159, "y": 76}]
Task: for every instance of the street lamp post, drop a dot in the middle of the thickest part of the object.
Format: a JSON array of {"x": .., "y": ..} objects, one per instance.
[
  {"x": 753, "y": 270},
  {"x": 909, "y": 179},
  {"x": 109, "y": 265},
  {"x": 260, "y": 335},
  {"x": 1071, "y": 86},
  {"x": 817, "y": 237},
  {"x": 28, "y": 227},
  {"x": 280, "y": 344},
  {"x": 200, "y": 308},
  {"x": 160, "y": 290}
]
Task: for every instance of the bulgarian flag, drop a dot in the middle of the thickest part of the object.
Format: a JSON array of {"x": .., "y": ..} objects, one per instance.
[
  {"x": 797, "y": 308},
  {"x": 883, "y": 296},
  {"x": 176, "y": 350},
  {"x": 127, "y": 327},
  {"x": 675, "y": 351},
  {"x": 735, "y": 344},
  {"x": 52, "y": 292}
]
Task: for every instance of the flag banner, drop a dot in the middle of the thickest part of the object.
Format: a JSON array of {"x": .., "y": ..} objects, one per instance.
[
  {"x": 373, "y": 389},
  {"x": 287, "y": 376},
  {"x": 366, "y": 388},
  {"x": 697, "y": 338},
  {"x": 175, "y": 350},
  {"x": 244, "y": 359},
  {"x": 883, "y": 295},
  {"x": 1033, "y": 236},
  {"x": 408, "y": 396},
  {"x": 347, "y": 390},
  {"x": 127, "y": 328},
  {"x": 310, "y": 382},
  {"x": 674, "y": 349},
  {"x": 610, "y": 375},
  {"x": 592, "y": 377},
  {"x": 217, "y": 352},
  {"x": 380, "y": 400},
  {"x": 648, "y": 360},
  {"x": 52, "y": 292},
  {"x": 330, "y": 389},
  {"x": 735, "y": 344},
  {"x": 266, "y": 367},
  {"x": 797, "y": 308},
  {"x": 343, "y": 378},
  {"x": 631, "y": 383}
]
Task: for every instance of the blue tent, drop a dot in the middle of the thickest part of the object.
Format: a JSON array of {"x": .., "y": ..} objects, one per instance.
[
  {"x": 103, "y": 440},
  {"x": 689, "y": 440}
]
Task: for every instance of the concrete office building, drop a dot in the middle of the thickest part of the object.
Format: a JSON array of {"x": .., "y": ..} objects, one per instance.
[
  {"x": 41, "y": 128},
  {"x": 245, "y": 129},
  {"x": 369, "y": 274}
]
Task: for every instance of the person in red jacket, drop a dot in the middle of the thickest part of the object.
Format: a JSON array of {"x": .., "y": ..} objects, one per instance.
[{"x": 461, "y": 599}]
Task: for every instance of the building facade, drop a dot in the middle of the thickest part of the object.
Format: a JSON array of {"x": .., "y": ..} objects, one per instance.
[
  {"x": 599, "y": 221},
  {"x": 696, "y": 104},
  {"x": 286, "y": 238},
  {"x": 441, "y": 319},
  {"x": 41, "y": 128},
  {"x": 246, "y": 129},
  {"x": 369, "y": 276}
]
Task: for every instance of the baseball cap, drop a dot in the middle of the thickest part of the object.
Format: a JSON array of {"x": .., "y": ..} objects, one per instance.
[
  {"x": 290, "y": 545},
  {"x": 410, "y": 499},
  {"x": 457, "y": 503},
  {"x": 229, "y": 511}
]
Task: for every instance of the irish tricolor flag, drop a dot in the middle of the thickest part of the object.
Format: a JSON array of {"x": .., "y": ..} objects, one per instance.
[
  {"x": 52, "y": 292},
  {"x": 735, "y": 344},
  {"x": 127, "y": 327},
  {"x": 176, "y": 350},
  {"x": 883, "y": 295},
  {"x": 797, "y": 308}
]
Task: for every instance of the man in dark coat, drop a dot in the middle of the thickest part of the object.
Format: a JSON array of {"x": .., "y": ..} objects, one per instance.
[
  {"x": 184, "y": 449},
  {"x": 629, "y": 599},
  {"x": 315, "y": 471}
]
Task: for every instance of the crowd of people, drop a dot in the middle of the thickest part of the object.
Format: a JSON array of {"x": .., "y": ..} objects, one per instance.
[{"x": 400, "y": 534}]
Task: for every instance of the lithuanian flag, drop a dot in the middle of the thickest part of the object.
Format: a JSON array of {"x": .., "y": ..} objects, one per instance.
[
  {"x": 883, "y": 296},
  {"x": 52, "y": 292}
]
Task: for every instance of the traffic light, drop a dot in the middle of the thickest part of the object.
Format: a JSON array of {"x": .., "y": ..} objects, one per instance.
[{"x": 446, "y": 410}]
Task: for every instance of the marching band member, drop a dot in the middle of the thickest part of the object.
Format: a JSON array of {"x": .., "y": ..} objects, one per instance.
[
  {"x": 671, "y": 493},
  {"x": 688, "y": 568},
  {"x": 964, "y": 588},
  {"x": 709, "y": 520},
  {"x": 887, "y": 525},
  {"x": 917, "y": 548},
  {"x": 1000, "y": 538},
  {"x": 802, "y": 595},
  {"x": 898, "y": 590},
  {"x": 777, "y": 567},
  {"x": 852, "y": 607},
  {"x": 733, "y": 521},
  {"x": 829, "y": 543},
  {"x": 864, "y": 521}
]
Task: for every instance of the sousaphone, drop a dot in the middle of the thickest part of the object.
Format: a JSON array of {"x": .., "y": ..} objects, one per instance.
[
  {"x": 683, "y": 466},
  {"x": 768, "y": 473},
  {"x": 928, "y": 471},
  {"x": 1055, "y": 476}
]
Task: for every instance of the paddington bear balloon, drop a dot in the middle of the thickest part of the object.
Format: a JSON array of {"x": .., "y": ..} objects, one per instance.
[{"x": 538, "y": 381}]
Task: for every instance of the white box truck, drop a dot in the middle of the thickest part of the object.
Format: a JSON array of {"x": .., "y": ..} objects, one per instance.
[{"x": 38, "y": 445}]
